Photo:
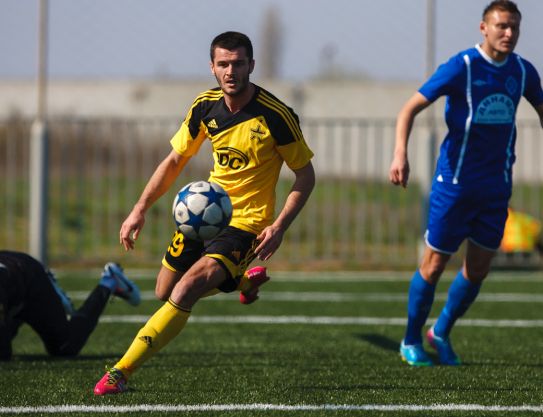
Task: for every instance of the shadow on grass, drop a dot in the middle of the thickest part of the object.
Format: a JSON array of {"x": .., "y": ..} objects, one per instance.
[
  {"x": 388, "y": 344},
  {"x": 48, "y": 358},
  {"x": 380, "y": 341}
]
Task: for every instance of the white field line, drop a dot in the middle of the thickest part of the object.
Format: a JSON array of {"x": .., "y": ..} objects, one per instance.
[
  {"x": 329, "y": 276},
  {"x": 341, "y": 297},
  {"x": 392, "y": 276},
  {"x": 170, "y": 408},
  {"x": 324, "y": 320}
]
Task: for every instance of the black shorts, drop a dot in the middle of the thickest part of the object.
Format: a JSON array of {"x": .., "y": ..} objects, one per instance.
[{"x": 233, "y": 249}]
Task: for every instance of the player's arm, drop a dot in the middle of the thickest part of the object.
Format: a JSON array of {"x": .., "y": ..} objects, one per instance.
[
  {"x": 271, "y": 237},
  {"x": 161, "y": 180},
  {"x": 399, "y": 169}
]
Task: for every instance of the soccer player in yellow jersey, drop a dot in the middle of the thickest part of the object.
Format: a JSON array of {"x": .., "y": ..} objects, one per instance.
[{"x": 252, "y": 134}]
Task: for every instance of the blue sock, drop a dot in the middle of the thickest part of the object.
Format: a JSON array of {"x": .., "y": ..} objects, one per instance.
[
  {"x": 421, "y": 297},
  {"x": 462, "y": 294}
]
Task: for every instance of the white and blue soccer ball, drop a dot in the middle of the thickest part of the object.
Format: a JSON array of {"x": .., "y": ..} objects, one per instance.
[{"x": 201, "y": 210}]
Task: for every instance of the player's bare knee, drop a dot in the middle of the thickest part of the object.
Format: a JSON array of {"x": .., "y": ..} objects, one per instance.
[
  {"x": 432, "y": 271},
  {"x": 163, "y": 291},
  {"x": 476, "y": 275},
  {"x": 185, "y": 294},
  {"x": 161, "y": 294},
  {"x": 433, "y": 264},
  {"x": 165, "y": 282}
]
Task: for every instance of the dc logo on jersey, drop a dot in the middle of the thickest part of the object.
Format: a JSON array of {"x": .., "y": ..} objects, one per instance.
[
  {"x": 231, "y": 158},
  {"x": 495, "y": 109}
]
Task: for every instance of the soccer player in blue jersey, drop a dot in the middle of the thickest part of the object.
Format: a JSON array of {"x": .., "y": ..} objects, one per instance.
[{"x": 472, "y": 182}]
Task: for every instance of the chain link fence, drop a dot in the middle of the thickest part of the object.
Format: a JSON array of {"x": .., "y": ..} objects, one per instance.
[{"x": 354, "y": 219}]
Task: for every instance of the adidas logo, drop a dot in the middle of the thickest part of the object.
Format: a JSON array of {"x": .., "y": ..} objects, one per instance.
[
  {"x": 212, "y": 124},
  {"x": 148, "y": 340}
]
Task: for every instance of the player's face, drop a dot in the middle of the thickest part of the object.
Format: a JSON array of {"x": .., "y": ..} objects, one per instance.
[
  {"x": 500, "y": 30},
  {"x": 232, "y": 69}
]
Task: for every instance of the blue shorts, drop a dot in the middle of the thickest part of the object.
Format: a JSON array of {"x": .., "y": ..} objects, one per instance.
[{"x": 457, "y": 213}]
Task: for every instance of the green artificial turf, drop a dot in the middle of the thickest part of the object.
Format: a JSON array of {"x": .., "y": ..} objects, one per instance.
[{"x": 296, "y": 364}]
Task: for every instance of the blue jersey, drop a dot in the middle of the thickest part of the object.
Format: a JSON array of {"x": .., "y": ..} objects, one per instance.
[{"x": 482, "y": 99}]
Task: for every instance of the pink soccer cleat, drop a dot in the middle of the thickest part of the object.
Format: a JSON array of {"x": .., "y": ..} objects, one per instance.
[
  {"x": 113, "y": 382},
  {"x": 256, "y": 276}
]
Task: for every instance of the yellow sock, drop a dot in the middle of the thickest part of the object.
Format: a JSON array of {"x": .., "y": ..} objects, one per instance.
[
  {"x": 244, "y": 284},
  {"x": 162, "y": 327}
]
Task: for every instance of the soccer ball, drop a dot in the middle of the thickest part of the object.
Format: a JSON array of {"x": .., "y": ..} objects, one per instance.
[{"x": 201, "y": 210}]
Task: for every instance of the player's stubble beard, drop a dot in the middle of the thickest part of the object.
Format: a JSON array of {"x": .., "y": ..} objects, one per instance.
[{"x": 242, "y": 84}]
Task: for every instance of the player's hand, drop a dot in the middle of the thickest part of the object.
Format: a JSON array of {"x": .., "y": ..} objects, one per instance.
[
  {"x": 131, "y": 228},
  {"x": 269, "y": 241},
  {"x": 399, "y": 171}
]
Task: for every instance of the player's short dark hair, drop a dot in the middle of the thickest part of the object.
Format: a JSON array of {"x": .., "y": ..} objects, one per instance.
[
  {"x": 502, "y": 5},
  {"x": 230, "y": 41}
]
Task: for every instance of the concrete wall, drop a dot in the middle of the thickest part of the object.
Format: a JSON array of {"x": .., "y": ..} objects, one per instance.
[{"x": 171, "y": 99}]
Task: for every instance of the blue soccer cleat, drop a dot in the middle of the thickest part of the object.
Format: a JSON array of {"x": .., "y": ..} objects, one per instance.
[
  {"x": 444, "y": 349},
  {"x": 113, "y": 277},
  {"x": 414, "y": 355}
]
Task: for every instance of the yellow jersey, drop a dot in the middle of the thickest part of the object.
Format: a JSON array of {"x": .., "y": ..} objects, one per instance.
[{"x": 249, "y": 148}]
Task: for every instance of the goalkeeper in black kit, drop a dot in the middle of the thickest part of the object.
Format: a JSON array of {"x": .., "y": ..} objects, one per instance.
[{"x": 29, "y": 293}]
